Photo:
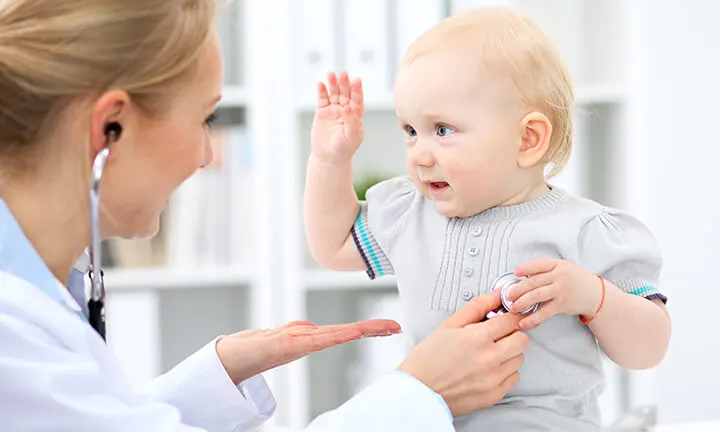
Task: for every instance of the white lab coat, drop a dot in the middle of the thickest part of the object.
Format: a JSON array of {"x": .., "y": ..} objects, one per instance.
[{"x": 57, "y": 374}]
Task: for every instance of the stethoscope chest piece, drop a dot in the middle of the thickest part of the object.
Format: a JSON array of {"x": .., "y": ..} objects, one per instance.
[{"x": 503, "y": 283}]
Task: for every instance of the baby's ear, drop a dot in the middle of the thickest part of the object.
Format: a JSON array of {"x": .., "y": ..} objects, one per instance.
[{"x": 536, "y": 131}]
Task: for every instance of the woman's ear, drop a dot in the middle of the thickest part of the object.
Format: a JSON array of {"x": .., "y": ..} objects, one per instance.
[
  {"x": 107, "y": 113},
  {"x": 535, "y": 139}
]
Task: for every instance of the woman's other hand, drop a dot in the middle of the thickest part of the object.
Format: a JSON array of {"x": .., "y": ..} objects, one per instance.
[
  {"x": 251, "y": 352},
  {"x": 471, "y": 364}
]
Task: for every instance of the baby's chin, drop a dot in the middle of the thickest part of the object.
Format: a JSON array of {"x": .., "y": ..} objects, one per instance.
[{"x": 452, "y": 208}]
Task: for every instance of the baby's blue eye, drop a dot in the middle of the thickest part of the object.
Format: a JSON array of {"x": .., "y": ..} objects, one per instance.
[
  {"x": 410, "y": 131},
  {"x": 444, "y": 130}
]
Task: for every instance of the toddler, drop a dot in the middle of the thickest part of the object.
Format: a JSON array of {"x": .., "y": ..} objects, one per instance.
[{"x": 486, "y": 106}]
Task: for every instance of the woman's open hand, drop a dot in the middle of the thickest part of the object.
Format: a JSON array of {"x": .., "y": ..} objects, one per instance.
[{"x": 251, "y": 352}]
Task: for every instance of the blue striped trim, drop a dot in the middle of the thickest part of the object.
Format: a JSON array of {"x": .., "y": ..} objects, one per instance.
[
  {"x": 367, "y": 244},
  {"x": 369, "y": 268},
  {"x": 656, "y": 296},
  {"x": 642, "y": 290}
]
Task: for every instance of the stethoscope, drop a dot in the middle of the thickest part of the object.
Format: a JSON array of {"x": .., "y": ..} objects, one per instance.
[
  {"x": 503, "y": 283},
  {"x": 96, "y": 302}
]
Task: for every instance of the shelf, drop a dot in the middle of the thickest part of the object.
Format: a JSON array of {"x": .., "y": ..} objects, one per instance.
[
  {"x": 170, "y": 278},
  {"x": 589, "y": 94},
  {"x": 327, "y": 280},
  {"x": 595, "y": 94},
  {"x": 233, "y": 97}
]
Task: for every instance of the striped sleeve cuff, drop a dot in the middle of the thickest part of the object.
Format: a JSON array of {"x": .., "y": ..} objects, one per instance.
[
  {"x": 376, "y": 261},
  {"x": 640, "y": 287}
]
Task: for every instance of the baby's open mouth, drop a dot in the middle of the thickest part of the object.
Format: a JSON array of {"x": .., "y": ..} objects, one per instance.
[{"x": 438, "y": 185}]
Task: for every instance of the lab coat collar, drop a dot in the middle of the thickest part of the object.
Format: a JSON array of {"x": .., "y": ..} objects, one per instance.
[{"x": 19, "y": 258}]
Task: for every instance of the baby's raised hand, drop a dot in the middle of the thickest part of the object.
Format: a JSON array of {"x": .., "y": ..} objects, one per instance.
[
  {"x": 337, "y": 129},
  {"x": 560, "y": 286}
]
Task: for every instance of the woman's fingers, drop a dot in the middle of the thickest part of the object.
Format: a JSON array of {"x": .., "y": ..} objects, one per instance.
[
  {"x": 535, "y": 319},
  {"x": 512, "y": 346},
  {"x": 508, "y": 384},
  {"x": 368, "y": 328},
  {"x": 307, "y": 339},
  {"x": 473, "y": 312},
  {"x": 498, "y": 327},
  {"x": 297, "y": 323},
  {"x": 377, "y": 327}
]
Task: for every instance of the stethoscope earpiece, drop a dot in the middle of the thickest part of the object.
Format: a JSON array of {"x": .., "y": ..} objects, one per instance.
[{"x": 113, "y": 131}]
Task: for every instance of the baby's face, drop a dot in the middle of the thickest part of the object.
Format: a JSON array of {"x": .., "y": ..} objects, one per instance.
[{"x": 462, "y": 130}]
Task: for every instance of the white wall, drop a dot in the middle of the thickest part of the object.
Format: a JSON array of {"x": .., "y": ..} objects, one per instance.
[{"x": 672, "y": 179}]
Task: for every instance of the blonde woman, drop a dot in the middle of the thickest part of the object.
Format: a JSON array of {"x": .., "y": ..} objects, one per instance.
[{"x": 143, "y": 77}]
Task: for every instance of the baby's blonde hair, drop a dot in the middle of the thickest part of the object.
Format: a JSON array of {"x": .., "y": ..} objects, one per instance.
[
  {"x": 55, "y": 51},
  {"x": 509, "y": 44}
]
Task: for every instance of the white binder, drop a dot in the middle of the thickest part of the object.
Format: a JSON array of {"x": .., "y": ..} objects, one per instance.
[
  {"x": 366, "y": 49},
  {"x": 315, "y": 45},
  {"x": 463, "y": 5},
  {"x": 412, "y": 19}
]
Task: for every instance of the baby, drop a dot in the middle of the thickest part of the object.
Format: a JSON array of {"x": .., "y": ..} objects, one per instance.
[{"x": 486, "y": 106}]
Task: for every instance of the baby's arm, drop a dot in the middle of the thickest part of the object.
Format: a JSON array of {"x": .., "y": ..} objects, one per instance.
[
  {"x": 632, "y": 330},
  {"x": 633, "y": 326},
  {"x": 330, "y": 209},
  {"x": 631, "y": 322},
  {"x": 330, "y": 204}
]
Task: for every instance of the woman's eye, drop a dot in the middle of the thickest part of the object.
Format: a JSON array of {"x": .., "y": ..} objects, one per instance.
[
  {"x": 211, "y": 118},
  {"x": 444, "y": 130}
]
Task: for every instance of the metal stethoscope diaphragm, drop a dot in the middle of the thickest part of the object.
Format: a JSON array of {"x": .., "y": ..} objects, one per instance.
[{"x": 503, "y": 283}]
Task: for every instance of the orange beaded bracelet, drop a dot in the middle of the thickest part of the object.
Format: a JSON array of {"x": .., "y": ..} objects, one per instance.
[{"x": 602, "y": 302}]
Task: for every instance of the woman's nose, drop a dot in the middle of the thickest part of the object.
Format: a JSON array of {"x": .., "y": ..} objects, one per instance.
[{"x": 208, "y": 153}]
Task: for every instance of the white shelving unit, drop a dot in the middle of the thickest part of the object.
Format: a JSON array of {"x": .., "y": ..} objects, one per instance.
[{"x": 275, "y": 52}]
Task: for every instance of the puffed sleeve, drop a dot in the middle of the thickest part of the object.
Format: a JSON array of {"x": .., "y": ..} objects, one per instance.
[
  {"x": 618, "y": 247},
  {"x": 385, "y": 209}
]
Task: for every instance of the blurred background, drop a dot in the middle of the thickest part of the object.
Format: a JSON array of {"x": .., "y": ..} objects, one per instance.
[{"x": 231, "y": 253}]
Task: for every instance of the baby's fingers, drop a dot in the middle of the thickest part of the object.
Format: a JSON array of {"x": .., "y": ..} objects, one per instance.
[
  {"x": 333, "y": 87},
  {"x": 535, "y": 319},
  {"x": 344, "y": 86},
  {"x": 528, "y": 284},
  {"x": 356, "y": 96},
  {"x": 539, "y": 295},
  {"x": 322, "y": 95}
]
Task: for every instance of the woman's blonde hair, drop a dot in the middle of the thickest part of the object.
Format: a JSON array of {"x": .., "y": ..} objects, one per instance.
[
  {"x": 54, "y": 51},
  {"x": 509, "y": 44}
]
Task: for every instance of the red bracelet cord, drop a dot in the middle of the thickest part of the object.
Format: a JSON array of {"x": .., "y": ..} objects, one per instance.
[{"x": 602, "y": 302}]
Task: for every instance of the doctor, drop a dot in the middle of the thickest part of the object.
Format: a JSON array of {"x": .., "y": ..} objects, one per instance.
[{"x": 142, "y": 78}]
